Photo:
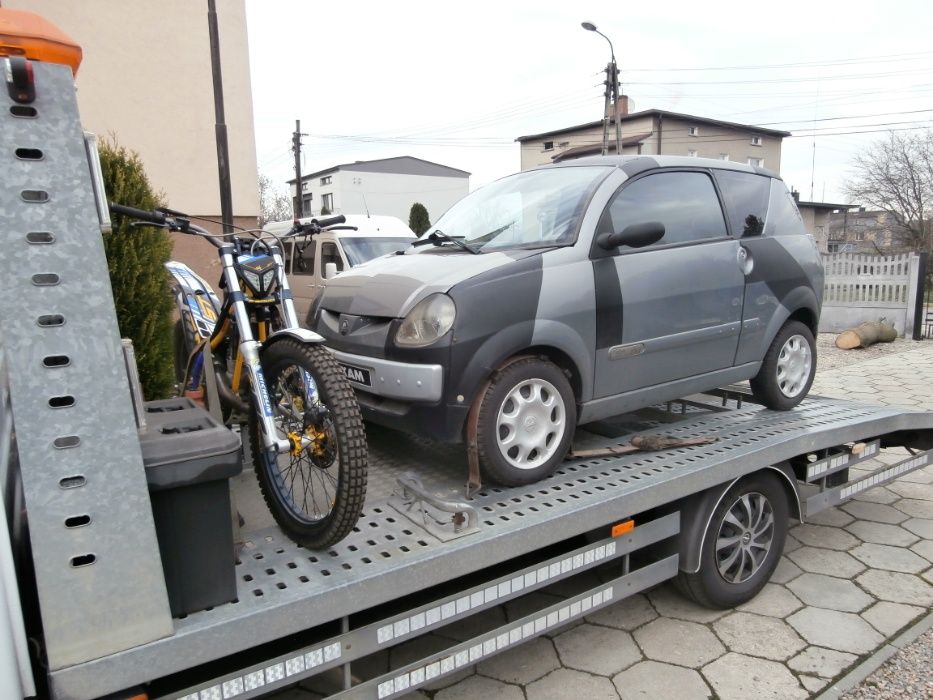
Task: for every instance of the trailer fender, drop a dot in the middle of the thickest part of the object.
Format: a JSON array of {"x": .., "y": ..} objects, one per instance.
[{"x": 697, "y": 510}]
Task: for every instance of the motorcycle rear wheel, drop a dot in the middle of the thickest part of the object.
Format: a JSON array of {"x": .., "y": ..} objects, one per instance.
[{"x": 316, "y": 493}]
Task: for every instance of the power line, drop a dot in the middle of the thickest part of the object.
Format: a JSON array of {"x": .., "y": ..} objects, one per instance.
[
  {"x": 889, "y": 58},
  {"x": 860, "y": 116},
  {"x": 759, "y": 81}
]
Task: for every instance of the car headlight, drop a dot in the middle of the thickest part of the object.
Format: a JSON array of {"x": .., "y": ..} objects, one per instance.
[{"x": 429, "y": 320}]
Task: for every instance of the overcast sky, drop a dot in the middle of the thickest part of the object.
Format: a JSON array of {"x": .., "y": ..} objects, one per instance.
[{"x": 456, "y": 83}]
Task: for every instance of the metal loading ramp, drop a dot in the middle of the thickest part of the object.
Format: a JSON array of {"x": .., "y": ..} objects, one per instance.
[{"x": 284, "y": 588}]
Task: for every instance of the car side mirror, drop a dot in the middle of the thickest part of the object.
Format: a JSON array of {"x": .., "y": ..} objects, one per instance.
[
  {"x": 330, "y": 270},
  {"x": 634, "y": 236}
]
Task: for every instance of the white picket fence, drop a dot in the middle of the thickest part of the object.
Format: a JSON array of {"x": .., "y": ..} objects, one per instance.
[{"x": 869, "y": 287}]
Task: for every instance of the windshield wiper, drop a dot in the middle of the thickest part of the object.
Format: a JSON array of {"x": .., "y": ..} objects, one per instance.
[{"x": 438, "y": 237}]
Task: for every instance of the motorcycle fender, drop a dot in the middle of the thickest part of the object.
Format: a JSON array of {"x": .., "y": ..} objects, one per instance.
[{"x": 301, "y": 334}]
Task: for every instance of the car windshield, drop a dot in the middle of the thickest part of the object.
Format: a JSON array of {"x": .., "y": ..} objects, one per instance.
[
  {"x": 537, "y": 209},
  {"x": 359, "y": 250}
]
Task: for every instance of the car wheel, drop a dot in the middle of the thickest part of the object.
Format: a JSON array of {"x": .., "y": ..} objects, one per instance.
[
  {"x": 742, "y": 544},
  {"x": 526, "y": 422},
  {"x": 788, "y": 368}
]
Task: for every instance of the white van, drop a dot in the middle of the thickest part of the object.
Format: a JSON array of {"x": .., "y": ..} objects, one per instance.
[{"x": 347, "y": 245}]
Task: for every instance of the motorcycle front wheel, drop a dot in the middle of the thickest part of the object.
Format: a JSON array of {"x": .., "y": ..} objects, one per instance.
[{"x": 314, "y": 492}]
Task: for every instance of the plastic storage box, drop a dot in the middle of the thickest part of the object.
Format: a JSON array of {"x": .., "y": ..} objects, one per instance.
[{"x": 189, "y": 457}]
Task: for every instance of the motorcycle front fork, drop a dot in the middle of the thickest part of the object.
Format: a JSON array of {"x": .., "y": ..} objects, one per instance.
[{"x": 249, "y": 349}]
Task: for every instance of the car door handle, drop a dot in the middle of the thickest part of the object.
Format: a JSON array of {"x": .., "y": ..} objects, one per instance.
[{"x": 744, "y": 259}]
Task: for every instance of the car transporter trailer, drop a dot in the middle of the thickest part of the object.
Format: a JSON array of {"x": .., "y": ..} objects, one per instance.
[{"x": 84, "y": 581}]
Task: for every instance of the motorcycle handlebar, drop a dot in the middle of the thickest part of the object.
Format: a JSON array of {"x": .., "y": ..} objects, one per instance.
[
  {"x": 331, "y": 221},
  {"x": 314, "y": 226},
  {"x": 153, "y": 217}
]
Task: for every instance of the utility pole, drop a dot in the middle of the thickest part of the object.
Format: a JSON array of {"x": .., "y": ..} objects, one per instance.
[
  {"x": 612, "y": 94},
  {"x": 296, "y": 147},
  {"x": 607, "y": 109},
  {"x": 615, "y": 102},
  {"x": 220, "y": 126}
]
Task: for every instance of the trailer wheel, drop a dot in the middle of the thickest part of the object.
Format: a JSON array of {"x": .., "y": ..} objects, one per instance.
[
  {"x": 788, "y": 368},
  {"x": 526, "y": 422},
  {"x": 742, "y": 544}
]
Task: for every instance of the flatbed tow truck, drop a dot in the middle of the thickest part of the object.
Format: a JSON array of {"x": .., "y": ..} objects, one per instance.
[{"x": 86, "y": 612}]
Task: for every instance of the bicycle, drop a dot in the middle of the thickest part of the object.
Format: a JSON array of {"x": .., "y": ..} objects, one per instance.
[{"x": 306, "y": 435}]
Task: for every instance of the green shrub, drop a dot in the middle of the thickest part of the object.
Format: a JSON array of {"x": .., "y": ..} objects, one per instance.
[
  {"x": 136, "y": 256},
  {"x": 418, "y": 220}
]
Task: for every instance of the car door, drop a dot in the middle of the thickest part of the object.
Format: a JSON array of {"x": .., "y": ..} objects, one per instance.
[
  {"x": 303, "y": 273},
  {"x": 673, "y": 309},
  {"x": 746, "y": 196}
]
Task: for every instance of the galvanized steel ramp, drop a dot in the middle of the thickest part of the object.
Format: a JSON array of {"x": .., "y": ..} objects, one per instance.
[{"x": 284, "y": 588}]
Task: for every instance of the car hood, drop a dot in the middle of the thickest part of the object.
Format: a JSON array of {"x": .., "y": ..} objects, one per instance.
[{"x": 390, "y": 286}]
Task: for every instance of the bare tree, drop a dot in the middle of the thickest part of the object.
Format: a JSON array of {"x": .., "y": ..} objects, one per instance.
[
  {"x": 896, "y": 176},
  {"x": 274, "y": 205}
]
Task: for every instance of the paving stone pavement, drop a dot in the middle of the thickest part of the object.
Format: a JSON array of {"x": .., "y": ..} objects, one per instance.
[{"x": 849, "y": 582}]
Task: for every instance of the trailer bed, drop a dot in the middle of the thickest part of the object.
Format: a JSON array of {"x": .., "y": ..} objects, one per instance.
[{"x": 284, "y": 589}]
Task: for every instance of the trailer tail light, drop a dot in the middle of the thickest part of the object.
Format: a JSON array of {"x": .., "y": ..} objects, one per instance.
[
  {"x": 623, "y": 528},
  {"x": 28, "y": 35}
]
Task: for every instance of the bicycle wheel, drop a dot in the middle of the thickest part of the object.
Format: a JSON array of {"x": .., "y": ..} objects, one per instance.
[{"x": 315, "y": 493}]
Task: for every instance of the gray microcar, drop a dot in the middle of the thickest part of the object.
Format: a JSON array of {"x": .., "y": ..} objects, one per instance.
[{"x": 574, "y": 292}]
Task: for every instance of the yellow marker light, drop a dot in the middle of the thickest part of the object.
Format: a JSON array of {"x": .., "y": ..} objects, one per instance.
[{"x": 623, "y": 528}]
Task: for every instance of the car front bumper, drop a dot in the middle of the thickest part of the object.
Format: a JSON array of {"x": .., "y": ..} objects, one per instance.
[{"x": 399, "y": 381}]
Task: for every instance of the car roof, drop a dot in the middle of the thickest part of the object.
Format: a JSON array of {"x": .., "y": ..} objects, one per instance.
[
  {"x": 633, "y": 165},
  {"x": 374, "y": 226}
]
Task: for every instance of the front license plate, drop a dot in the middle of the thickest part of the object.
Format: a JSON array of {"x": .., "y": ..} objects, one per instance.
[{"x": 356, "y": 374}]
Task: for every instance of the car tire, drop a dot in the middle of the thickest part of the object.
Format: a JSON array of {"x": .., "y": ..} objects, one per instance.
[
  {"x": 742, "y": 544},
  {"x": 527, "y": 418},
  {"x": 788, "y": 368}
]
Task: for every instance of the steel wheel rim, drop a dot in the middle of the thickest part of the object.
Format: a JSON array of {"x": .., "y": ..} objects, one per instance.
[
  {"x": 745, "y": 538},
  {"x": 531, "y": 423},
  {"x": 793, "y": 365},
  {"x": 307, "y": 490}
]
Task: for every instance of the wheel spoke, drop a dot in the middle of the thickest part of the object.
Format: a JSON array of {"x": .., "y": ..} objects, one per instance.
[
  {"x": 726, "y": 565},
  {"x": 724, "y": 542}
]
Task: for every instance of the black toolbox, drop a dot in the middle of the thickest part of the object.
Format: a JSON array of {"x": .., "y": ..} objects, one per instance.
[{"x": 189, "y": 457}]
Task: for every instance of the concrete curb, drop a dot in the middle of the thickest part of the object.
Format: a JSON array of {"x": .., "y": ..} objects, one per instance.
[{"x": 874, "y": 662}]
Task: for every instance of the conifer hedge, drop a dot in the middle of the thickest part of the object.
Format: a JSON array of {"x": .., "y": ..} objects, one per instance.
[
  {"x": 418, "y": 220},
  {"x": 136, "y": 256}
]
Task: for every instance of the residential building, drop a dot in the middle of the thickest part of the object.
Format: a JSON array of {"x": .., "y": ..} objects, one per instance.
[
  {"x": 657, "y": 131},
  {"x": 386, "y": 186},
  {"x": 146, "y": 79},
  {"x": 816, "y": 218},
  {"x": 865, "y": 231}
]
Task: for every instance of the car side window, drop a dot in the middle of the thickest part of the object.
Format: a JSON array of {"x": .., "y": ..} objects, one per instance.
[
  {"x": 746, "y": 196},
  {"x": 685, "y": 202},
  {"x": 330, "y": 254},
  {"x": 303, "y": 257},
  {"x": 783, "y": 215}
]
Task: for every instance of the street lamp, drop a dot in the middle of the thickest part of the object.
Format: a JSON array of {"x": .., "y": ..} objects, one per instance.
[{"x": 612, "y": 86}]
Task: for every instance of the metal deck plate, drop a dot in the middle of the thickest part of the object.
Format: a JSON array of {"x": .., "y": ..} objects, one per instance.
[{"x": 284, "y": 588}]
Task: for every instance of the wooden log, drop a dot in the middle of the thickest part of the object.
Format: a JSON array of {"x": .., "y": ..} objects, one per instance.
[{"x": 865, "y": 334}]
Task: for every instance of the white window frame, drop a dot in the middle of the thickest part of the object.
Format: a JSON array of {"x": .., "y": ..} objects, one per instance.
[
  {"x": 758, "y": 162},
  {"x": 326, "y": 180},
  {"x": 693, "y": 130},
  {"x": 723, "y": 156},
  {"x": 548, "y": 145},
  {"x": 692, "y": 153},
  {"x": 756, "y": 140}
]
